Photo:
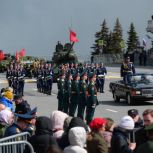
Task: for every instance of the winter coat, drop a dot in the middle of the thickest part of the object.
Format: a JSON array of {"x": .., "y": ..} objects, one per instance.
[
  {"x": 77, "y": 139},
  {"x": 75, "y": 122},
  {"x": 96, "y": 143},
  {"x": 146, "y": 147},
  {"x": 57, "y": 119},
  {"x": 119, "y": 142},
  {"x": 43, "y": 137}
]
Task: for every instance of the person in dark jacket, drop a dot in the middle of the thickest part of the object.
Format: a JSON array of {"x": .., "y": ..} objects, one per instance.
[
  {"x": 75, "y": 122},
  {"x": 138, "y": 122},
  {"x": 43, "y": 137},
  {"x": 141, "y": 135},
  {"x": 120, "y": 142},
  {"x": 147, "y": 147},
  {"x": 22, "y": 106}
]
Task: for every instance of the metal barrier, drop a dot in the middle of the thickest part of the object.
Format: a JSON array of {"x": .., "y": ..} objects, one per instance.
[
  {"x": 15, "y": 143},
  {"x": 15, "y": 147},
  {"x": 17, "y": 137}
]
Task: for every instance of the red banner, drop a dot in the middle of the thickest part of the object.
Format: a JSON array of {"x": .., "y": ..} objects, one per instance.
[
  {"x": 17, "y": 56},
  {"x": 22, "y": 52},
  {"x": 2, "y": 55},
  {"x": 73, "y": 37}
]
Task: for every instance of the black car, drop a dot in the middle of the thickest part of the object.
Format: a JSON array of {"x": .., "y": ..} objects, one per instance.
[{"x": 140, "y": 88}]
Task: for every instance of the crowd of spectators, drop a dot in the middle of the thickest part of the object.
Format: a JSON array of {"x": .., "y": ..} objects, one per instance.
[{"x": 61, "y": 133}]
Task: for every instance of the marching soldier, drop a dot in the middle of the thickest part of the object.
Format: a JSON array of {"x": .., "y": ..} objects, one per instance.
[
  {"x": 68, "y": 84},
  {"x": 127, "y": 69},
  {"x": 83, "y": 95},
  {"x": 92, "y": 100},
  {"x": 61, "y": 91},
  {"x": 101, "y": 72},
  {"x": 9, "y": 75},
  {"x": 48, "y": 77},
  {"x": 21, "y": 79},
  {"x": 40, "y": 75},
  {"x": 75, "y": 93}
]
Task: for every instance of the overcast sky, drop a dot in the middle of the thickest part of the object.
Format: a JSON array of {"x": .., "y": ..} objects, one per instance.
[{"x": 37, "y": 25}]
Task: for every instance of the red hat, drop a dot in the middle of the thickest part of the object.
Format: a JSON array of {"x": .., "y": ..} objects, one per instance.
[{"x": 97, "y": 123}]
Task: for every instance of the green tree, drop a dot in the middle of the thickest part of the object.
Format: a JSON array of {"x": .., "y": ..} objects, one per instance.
[
  {"x": 132, "y": 38},
  {"x": 117, "y": 37},
  {"x": 101, "y": 36}
]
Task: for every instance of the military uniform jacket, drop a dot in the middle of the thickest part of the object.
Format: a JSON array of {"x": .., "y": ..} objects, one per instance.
[
  {"x": 75, "y": 88},
  {"x": 83, "y": 89},
  {"x": 48, "y": 74},
  {"x": 61, "y": 85},
  {"x": 92, "y": 95},
  {"x": 9, "y": 74},
  {"x": 68, "y": 84},
  {"x": 127, "y": 68},
  {"x": 101, "y": 72},
  {"x": 12, "y": 130},
  {"x": 40, "y": 73}
]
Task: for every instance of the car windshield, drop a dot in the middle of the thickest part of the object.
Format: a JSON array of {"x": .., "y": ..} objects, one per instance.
[{"x": 148, "y": 78}]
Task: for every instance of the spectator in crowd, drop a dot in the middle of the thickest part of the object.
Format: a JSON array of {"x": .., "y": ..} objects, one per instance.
[
  {"x": 6, "y": 119},
  {"x": 43, "y": 137},
  {"x": 22, "y": 106},
  {"x": 57, "y": 119},
  {"x": 120, "y": 142},
  {"x": 75, "y": 122},
  {"x": 53, "y": 149},
  {"x": 77, "y": 139},
  {"x": 107, "y": 134},
  {"x": 95, "y": 142},
  {"x": 22, "y": 123},
  {"x": 67, "y": 123},
  {"x": 140, "y": 135},
  {"x": 7, "y": 96},
  {"x": 7, "y": 103},
  {"x": 147, "y": 147},
  {"x": 138, "y": 122},
  {"x": 2, "y": 104}
]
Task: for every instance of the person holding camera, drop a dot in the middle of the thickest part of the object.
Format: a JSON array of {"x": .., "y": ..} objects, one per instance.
[{"x": 121, "y": 142}]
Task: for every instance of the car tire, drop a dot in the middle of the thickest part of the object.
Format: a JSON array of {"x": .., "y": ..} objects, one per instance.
[
  {"x": 129, "y": 99},
  {"x": 116, "y": 98}
]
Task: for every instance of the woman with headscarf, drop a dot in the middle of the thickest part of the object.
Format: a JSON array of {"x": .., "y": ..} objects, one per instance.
[
  {"x": 57, "y": 120},
  {"x": 75, "y": 122},
  {"x": 77, "y": 138}
]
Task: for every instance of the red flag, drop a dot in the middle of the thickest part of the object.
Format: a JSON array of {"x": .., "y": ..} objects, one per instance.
[
  {"x": 2, "y": 56},
  {"x": 17, "y": 56},
  {"x": 73, "y": 37},
  {"x": 22, "y": 52}
]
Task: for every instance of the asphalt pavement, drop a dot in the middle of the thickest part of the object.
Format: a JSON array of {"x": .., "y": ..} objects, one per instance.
[{"x": 107, "y": 107}]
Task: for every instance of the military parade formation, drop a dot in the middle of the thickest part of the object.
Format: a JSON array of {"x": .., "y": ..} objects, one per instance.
[{"x": 77, "y": 84}]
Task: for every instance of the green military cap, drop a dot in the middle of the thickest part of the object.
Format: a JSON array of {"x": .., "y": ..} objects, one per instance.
[
  {"x": 76, "y": 75},
  {"x": 149, "y": 127},
  {"x": 83, "y": 73},
  {"x": 91, "y": 75},
  {"x": 68, "y": 74}
]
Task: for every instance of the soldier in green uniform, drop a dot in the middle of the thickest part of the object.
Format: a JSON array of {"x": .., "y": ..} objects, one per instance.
[
  {"x": 61, "y": 91},
  {"x": 74, "y": 94},
  {"x": 92, "y": 100},
  {"x": 68, "y": 83},
  {"x": 83, "y": 95}
]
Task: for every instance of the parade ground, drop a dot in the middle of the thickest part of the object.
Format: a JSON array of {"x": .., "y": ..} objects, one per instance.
[{"x": 106, "y": 108}]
